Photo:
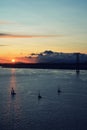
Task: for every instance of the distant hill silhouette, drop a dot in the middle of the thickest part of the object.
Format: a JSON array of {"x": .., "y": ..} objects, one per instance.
[{"x": 46, "y": 65}]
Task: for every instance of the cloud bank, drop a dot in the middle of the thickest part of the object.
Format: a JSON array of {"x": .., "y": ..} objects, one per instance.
[{"x": 48, "y": 56}]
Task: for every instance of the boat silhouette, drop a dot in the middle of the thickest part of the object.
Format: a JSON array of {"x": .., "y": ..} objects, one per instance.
[
  {"x": 59, "y": 91},
  {"x": 13, "y": 92},
  {"x": 39, "y": 96}
]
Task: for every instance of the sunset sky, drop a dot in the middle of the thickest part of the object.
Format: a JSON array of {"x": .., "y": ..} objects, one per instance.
[{"x": 33, "y": 26}]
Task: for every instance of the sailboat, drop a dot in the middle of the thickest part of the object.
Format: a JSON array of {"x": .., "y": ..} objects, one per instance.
[
  {"x": 59, "y": 91},
  {"x": 13, "y": 92},
  {"x": 39, "y": 96}
]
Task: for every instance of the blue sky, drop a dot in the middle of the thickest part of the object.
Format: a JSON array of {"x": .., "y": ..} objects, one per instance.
[
  {"x": 55, "y": 15},
  {"x": 64, "y": 20}
]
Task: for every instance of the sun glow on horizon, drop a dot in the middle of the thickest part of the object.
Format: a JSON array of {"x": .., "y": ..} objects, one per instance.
[{"x": 13, "y": 60}]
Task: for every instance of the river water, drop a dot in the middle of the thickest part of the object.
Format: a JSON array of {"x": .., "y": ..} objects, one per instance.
[{"x": 54, "y": 111}]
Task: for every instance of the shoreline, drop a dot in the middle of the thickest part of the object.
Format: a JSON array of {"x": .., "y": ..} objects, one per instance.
[{"x": 71, "y": 66}]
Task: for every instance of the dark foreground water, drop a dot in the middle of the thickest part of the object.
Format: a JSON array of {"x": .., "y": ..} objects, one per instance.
[{"x": 64, "y": 111}]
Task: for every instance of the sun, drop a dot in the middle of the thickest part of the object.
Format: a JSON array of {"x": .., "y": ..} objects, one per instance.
[{"x": 13, "y": 61}]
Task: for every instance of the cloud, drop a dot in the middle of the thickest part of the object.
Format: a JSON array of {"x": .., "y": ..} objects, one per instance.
[
  {"x": 6, "y": 22},
  {"x": 48, "y": 56},
  {"x": 3, "y": 60},
  {"x": 3, "y": 35},
  {"x": 26, "y": 59},
  {"x": 3, "y": 45}
]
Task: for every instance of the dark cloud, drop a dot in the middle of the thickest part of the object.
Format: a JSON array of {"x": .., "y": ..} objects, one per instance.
[
  {"x": 48, "y": 52},
  {"x": 33, "y": 54},
  {"x": 49, "y": 56},
  {"x": 3, "y": 35}
]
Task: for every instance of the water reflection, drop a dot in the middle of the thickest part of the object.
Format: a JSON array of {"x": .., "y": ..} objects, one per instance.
[
  {"x": 77, "y": 73},
  {"x": 13, "y": 79},
  {"x": 13, "y": 105}
]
